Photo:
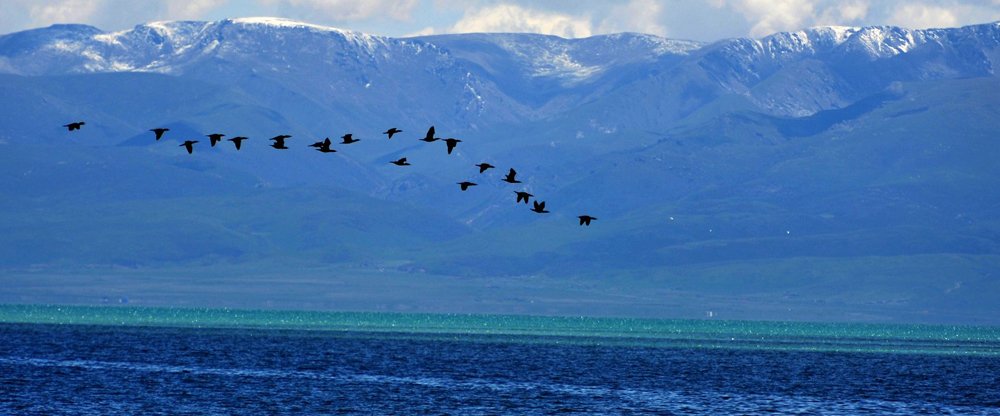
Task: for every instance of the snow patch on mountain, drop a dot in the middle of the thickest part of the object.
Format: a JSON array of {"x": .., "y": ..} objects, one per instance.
[
  {"x": 570, "y": 62},
  {"x": 524, "y": 75},
  {"x": 884, "y": 42},
  {"x": 369, "y": 42}
]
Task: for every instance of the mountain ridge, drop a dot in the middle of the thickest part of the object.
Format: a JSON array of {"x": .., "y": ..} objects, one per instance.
[{"x": 811, "y": 165}]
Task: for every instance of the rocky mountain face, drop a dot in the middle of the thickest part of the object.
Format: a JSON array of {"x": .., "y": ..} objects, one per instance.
[{"x": 841, "y": 170}]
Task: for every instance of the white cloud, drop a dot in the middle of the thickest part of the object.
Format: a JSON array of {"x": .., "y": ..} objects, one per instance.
[
  {"x": 706, "y": 20},
  {"x": 513, "y": 18},
  {"x": 192, "y": 9},
  {"x": 844, "y": 13},
  {"x": 105, "y": 14},
  {"x": 345, "y": 10},
  {"x": 429, "y": 30},
  {"x": 852, "y": 10},
  {"x": 61, "y": 11},
  {"x": 769, "y": 16},
  {"x": 643, "y": 16},
  {"x": 921, "y": 16}
]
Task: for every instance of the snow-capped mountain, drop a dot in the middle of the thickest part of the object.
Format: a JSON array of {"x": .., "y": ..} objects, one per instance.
[
  {"x": 480, "y": 78},
  {"x": 804, "y": 72},
  {"x": 328, "y": 68},
  {"x": 745, "y": 160},
  {"x": 173, "y": 47}
]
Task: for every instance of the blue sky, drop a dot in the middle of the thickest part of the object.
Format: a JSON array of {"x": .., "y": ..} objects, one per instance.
[{"x": 705, "y": 20}]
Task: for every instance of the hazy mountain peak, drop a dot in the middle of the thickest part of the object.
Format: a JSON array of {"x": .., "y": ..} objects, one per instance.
[
  {"x": 282, "y": 22},
  {"x": 368, "y": 40},
  {"x": 571, "y": 62}
]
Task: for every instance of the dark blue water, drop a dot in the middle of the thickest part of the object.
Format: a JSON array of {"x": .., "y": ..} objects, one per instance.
[{"x": 78, "y": 369}]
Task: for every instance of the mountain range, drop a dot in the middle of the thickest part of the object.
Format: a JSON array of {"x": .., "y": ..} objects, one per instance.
[{"x": 832, "y": 173}]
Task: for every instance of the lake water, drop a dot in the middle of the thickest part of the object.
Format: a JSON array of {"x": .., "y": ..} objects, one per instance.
[{"x": 118, "y": 360}]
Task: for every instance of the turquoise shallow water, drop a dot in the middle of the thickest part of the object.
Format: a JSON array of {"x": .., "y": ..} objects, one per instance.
[
  {"x": 788, "y": 336},
  {"x": 79, "y": 360}
]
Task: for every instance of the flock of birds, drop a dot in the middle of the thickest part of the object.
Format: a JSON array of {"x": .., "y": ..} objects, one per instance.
[{"x": 324, "y": 146}]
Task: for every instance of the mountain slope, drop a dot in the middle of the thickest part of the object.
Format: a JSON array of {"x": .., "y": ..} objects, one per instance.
[{"x": 844, "y": 172}]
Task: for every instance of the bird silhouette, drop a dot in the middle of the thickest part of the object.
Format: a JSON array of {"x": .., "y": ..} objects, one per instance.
[
  {"x": 483, "y": 166},
  {"x": 510, "y": 178},
  {"x": 74, "y": 126},
  {"x": 465, "y": 185},
  {"x": 325, "y": 146},
  {"x": 523, "y": 196},
  {"x": 451, "y": 142},
  {"x": 401, "y": 162},
  {"x": 237, "y": 140},
  {"x": 321, "y": 143},
  {"x": 586, "y": 219},
  {"x": 214, "y": 138},
  {"x": 348, "y": 139},
  {"x": 279, "y": 141},
  {"x": 539, "y": 207},
  {"x": 392, "y": 131},
  {"x": 159, "y": 132},
  {"x": 189, "y": 145},
  {"x": 430, "y": 136}
]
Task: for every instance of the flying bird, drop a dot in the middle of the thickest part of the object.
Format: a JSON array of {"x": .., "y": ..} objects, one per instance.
[
  {"x": 452, "y": 142},
  {"x": 189, "y": 145},
  {"x": 465, "y": 185},
  {"x": 279, "y": 141},
  {"x": 401, "y": 162},
  {"x": 237, "y": 140},
  {"x": 214, "y": 138},
  {"x": 510, "y": 178},
  {"x": 523, "y": 196},
  {"x": 586, "y": 219},
  {"x": 159, "y": 132},
  {"x": 483, "y": 166},
  {"x": 539, "y": 207},
  {"x": 321, "y": 143},
  {"x": 392, "y": 131},
  {"x": 74, "y": 126},
  {"x": 430, "y": 136},
  {"x": 325, "y": 146},
  {"x": 349, "y": 138}
]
